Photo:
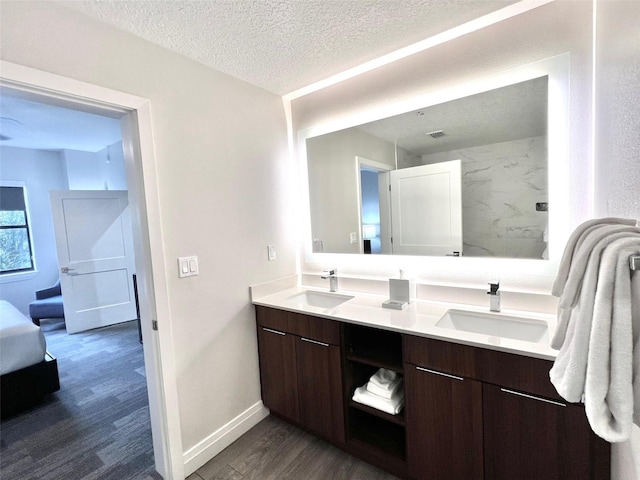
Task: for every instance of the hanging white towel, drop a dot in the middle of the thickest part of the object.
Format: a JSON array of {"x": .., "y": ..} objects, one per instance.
[
  {"x": 599, "y": 330},
  {"x": 608, "y": 233},
  {"x": 569, "y": 251},
  {"x": 392, "y": 405},
  {"x": 609, "y": 397},
  {"x": 569, "y": 369},
  {"x": 386, "y": 392},
  {"x": 635, "y": 326},
  {"x": 589, "y": 253}
]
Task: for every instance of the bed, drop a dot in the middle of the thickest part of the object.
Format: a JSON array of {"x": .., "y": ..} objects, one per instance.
[{"x": 27, "y": 371}]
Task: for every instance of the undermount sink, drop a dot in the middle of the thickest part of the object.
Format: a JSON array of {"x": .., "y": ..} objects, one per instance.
[
  {"x": 319, "y": 299},
  {"x": 497, "y": 325}
]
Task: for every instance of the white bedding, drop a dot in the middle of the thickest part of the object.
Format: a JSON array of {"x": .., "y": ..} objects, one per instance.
[{"x": 21, "y": 342}]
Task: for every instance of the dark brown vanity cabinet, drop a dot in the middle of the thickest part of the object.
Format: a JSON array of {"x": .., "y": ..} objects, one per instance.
[
  {"x": 278, "y": 372},
  {"x": 320, "y": 388},
  {"x": 300, "y": 370},
  {"x": 444, "y": 425},
  {"x": 478, "y": 413},
  {"x": 470, "y": 413},
  {"x": 531, "y": 437}
]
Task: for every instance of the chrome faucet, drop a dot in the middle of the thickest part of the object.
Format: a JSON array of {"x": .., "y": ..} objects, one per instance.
[
  {"x": 494, "y": 296},
  {"x": 332, "y": 275}
]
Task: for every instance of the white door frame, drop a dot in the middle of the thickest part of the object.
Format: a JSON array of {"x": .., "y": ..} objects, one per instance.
[
  {"x": 373, "y": 165},
  {"x": 134, "y": 113}
]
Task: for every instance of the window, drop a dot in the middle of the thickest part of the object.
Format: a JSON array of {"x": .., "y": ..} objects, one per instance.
[{"x": 16, "y": 253}]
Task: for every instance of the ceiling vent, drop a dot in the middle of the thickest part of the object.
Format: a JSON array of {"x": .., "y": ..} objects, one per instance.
[{"x": 435, "y": 134}]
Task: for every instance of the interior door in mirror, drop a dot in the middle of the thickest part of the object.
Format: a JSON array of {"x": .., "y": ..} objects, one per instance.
[{"x": 426, "y": 209}]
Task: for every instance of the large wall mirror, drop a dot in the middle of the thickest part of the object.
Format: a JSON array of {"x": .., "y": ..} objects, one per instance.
[{"x": 464, "y": 177}]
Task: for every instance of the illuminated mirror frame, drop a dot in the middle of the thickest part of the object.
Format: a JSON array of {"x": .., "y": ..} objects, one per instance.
[{"x": 557, "y": 70}]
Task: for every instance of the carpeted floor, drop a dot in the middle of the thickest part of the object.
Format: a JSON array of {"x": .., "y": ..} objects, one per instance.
[{"x": 97, "y": 425}]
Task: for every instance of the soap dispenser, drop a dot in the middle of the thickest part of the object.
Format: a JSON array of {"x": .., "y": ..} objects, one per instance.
[
  {"x": 494, "y": 296},
  {"x": 402, "y": 291}
]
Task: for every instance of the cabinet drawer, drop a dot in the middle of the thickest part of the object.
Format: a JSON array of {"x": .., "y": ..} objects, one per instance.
[
  {"x": 272, "y": 318},
  {"x": 500, "y": 368},
  {"x": 314, "y": 328}
]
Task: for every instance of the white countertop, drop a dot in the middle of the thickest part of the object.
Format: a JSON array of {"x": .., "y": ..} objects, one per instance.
[{"x": 419, "y": 318}]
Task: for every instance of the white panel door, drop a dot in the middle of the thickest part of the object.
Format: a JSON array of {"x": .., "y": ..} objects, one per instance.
[
  {"x": 426, "y": 209},
  {"x": 96, "y": 258}
]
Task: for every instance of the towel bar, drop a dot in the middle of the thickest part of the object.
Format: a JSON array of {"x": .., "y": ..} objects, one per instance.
[{"x": 634, "y": 262}]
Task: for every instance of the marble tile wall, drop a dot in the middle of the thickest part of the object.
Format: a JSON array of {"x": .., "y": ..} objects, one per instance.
[{"x": 501, "y": 184}]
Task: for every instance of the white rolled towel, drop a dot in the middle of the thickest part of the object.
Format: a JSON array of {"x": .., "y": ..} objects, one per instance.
[
  {"x": 387, "y": 393},
  {"x": 392, "y": 405}
]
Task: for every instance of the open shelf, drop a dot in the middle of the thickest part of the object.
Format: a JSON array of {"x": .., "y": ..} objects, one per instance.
[
  {"x": 373, "y": 434},
  {"x": 397, "y": 419},
  {"x": 379, "y": 348},
  {"x": 377, "y": 435},
  {"x": 388, "y": 363}
]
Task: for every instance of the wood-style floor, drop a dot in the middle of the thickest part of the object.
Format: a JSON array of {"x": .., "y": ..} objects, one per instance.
[
  {"x": 97, "y": 426},
  {"x": 275, "y": 450}
]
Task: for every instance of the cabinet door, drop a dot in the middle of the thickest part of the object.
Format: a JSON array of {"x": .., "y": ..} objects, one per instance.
[
  {"x": 320, "y": 388},
  {"x": 278, "y": 375},
  {"x": 444, "y": 425},
  {"x": 528, "y": 437}
]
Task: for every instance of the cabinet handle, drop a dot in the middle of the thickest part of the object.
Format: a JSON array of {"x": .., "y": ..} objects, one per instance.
[
  {"x": 274, "y": 331},
  {"x": 439, "y": 373},
  {"x": 512, "y": 392},
  {"x": 314, "y": 341}
]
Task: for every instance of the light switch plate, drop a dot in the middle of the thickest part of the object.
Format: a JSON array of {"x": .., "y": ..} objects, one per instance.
[
  {"x": 271, "y": 249},
  {"x": 353, "y": 236},
  {"x": 187, "y": 266}
]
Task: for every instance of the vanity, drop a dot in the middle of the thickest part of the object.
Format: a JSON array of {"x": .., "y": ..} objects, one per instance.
[
  {"x": 477, "y": 406},
  {"x": 455, "y": 183}
]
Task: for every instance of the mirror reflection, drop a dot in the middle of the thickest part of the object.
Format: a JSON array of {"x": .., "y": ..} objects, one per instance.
[{"x": 466, "y": 177}]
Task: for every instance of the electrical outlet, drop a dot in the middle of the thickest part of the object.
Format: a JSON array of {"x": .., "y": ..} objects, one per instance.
[
  {"x": 271, "y": 249},
  {"x": 353, "y": 236}
]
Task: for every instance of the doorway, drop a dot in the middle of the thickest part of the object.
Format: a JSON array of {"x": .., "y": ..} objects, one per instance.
[
  {"x": 374, "y": 211},
  {"x": 134, "y": 116}
]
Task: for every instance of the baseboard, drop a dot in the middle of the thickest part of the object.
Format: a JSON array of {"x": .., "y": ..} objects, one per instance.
[{"x": 208, "y": 448}]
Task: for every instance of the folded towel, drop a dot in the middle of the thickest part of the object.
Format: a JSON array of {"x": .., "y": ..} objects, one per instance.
[
  {"x": 383, "y": 378},
  {"x": 567, "y": 256},
  {"x": 392, "y": 405},
  {"x": 609, "y": 397},
  {"x": 385, "y": 392}
]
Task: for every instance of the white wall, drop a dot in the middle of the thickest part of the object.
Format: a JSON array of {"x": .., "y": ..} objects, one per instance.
[
  {"x": 41, "y": 171},
  {"x": 102, "y": 170},
  {"x": 617, "y": 155},
  {"x": 223, "y": 179}
]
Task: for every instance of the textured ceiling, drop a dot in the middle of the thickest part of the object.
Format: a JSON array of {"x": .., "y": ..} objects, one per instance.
[
  {"x": 508, "y": 113},
  {"x": 283, "y": 45}
]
